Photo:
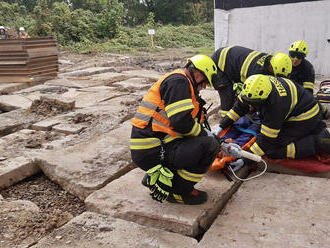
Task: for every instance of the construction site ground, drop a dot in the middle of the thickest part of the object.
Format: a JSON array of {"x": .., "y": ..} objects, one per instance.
[{"x": 67, "y": 179}]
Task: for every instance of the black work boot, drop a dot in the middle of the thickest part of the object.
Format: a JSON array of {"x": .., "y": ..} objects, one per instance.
[
  {"x": 145, "y": 180},
  {"x": 323, "y": 141},
  {"x": 194, "y": 197}
]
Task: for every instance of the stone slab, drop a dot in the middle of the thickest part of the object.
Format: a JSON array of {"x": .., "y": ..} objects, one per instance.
[
  {"x": 84, "y": 98},
  {"x": 45, "y": 125},
  {"x": 8, "y": 88},
  {"x": 16, "y": 120},
  {"x": 13, "y": 170},
  {"x": 88, "y": 166},
  {"x": 110, "y": 77},
  {"x": 87, "y": 72},
  {"x": 74, "y": 82},
  {"x": 274, "y": 211},
  {"x": 12, "y": 102},
  {"x": 14, "y": 217},
  {"x": 151, "y": 75},
  {"x": 134, "y": 84},
  {"x": 127, "y": 199},
  {"x": 100, "y": 231},
  {"x": 68, "y": 129}
]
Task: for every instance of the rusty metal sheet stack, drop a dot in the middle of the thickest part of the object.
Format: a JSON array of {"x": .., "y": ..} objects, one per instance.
[{"x": 28, "y": 58}]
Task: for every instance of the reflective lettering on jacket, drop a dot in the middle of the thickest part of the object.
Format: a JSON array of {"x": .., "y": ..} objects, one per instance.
[
  {"x": 152, "y": 109},
  {"x": 279, "y": 87},
  {"x": 262, "y": 60}
]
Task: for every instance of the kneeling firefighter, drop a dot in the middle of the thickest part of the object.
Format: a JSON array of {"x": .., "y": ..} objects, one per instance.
[
  {"x": 168, "y": 140},
  {"x": 291, "y": 122}
]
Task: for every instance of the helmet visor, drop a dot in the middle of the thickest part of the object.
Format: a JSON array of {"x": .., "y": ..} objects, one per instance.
[{"x": 296, "y": 55}]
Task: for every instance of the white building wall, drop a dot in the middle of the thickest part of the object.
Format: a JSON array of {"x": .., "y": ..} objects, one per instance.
[{"x": 274, "y": 28}]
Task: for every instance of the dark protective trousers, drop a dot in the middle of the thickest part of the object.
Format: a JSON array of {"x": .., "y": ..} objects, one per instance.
[
  {"x": 303, "y": 134},
  {"x": 192, "y": 155}
]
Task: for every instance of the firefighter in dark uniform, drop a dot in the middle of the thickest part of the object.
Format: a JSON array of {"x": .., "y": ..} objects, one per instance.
[
  {"x": 302, "y": 70},
  {"x": 291, "y": 124},
  {"x": 168, "y": 140},
  {"x": 236, "y": 64}
]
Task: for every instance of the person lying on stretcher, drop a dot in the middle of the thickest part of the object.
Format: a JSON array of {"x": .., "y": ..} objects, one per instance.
[{"x": 242, "y": 133}]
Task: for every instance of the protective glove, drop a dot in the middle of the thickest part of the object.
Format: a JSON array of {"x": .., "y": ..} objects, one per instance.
[
  {"x": 217, "y": 131},
  {"x": 231, "y": 149},
  {"x": 209, "y": 133},
  {"x": 238, "y": 164},
  {"x": 160, "y": 182}
]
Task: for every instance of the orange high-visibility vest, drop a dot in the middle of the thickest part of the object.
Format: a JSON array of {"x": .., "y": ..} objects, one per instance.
[{"x": 152, "y": 108}]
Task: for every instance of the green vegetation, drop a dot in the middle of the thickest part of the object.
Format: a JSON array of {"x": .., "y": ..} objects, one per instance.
[{"x": 113, "y": 25}]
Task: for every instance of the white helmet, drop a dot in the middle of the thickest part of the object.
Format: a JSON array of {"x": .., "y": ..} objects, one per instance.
[
  {"x": 21, "y": 29},
  {"x": 2, "y": 27}
]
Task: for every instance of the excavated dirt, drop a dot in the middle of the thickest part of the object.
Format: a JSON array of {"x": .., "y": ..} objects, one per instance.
[
  {"x": 57, "y": 207},
  {"x": 50, "y": 107}
]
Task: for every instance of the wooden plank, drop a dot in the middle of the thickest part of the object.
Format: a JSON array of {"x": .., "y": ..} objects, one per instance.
[
  {"x": 16, "y": 79},
  {"x": 14, "y": 62},
  {"x": 42, "y": 52},
  {"x": 14, "y": 48}
]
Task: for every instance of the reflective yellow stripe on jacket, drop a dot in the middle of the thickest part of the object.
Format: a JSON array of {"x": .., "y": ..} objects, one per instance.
[
  {"x": 233, "y": 115},
  {"x": 307, "y": 115},
  {"x": 246, "y": 64},
  {"x": 179, "y": 106},
  {"x": 255, "y": 148},
  {"x": 294, "y": 95},
  {"x": 196, "y": 129},
  {"x": 189, "y": 176},
  {"x": 223, "y": 57},
  {"x": 148, "y": 143},
  {"x": 308, "y": 85},
  {"x": 291, "y": 151},
  {"x": 269, "y": 132},
  {"x": 223, "y": 113}
]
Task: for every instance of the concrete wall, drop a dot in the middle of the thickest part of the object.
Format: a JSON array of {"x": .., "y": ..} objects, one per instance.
[{"x": 274, "y": 28}]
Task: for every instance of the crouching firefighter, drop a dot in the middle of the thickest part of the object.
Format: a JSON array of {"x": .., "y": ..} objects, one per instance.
[
  {"x": 168, "y": 140},
  {"x": 291, "y": 122}
]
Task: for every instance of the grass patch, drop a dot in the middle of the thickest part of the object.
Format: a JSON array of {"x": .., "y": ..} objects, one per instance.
[{"x": 197, "y": 39}]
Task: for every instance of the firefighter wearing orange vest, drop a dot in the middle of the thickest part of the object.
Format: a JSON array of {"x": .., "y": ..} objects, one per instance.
[
  {"x": 22, "y": 34},
  {"x": 168, "y": 140}
]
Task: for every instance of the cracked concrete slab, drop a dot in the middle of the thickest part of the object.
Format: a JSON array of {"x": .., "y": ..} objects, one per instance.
[
  {"x": 88, "y": 166},
  {"x": 78, "y": 83},
  {"x": 16, "y": 120},
  {"x": 151, "y": 75},
  {"x": 101, "y": 231},
  {"x": 13, "y": 170},
  {"x": 8, "y": 88},
  {"x": 274, "y": 211},
  {"x": 12, "y": 102},
  {"x": 110, "y": 77},
  {"x": 127, "y": 199},
  {"x": 87, "y": 72}
]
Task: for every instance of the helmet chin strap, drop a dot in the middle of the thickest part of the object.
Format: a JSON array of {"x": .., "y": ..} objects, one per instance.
[{"x": 191, "y": 71}]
